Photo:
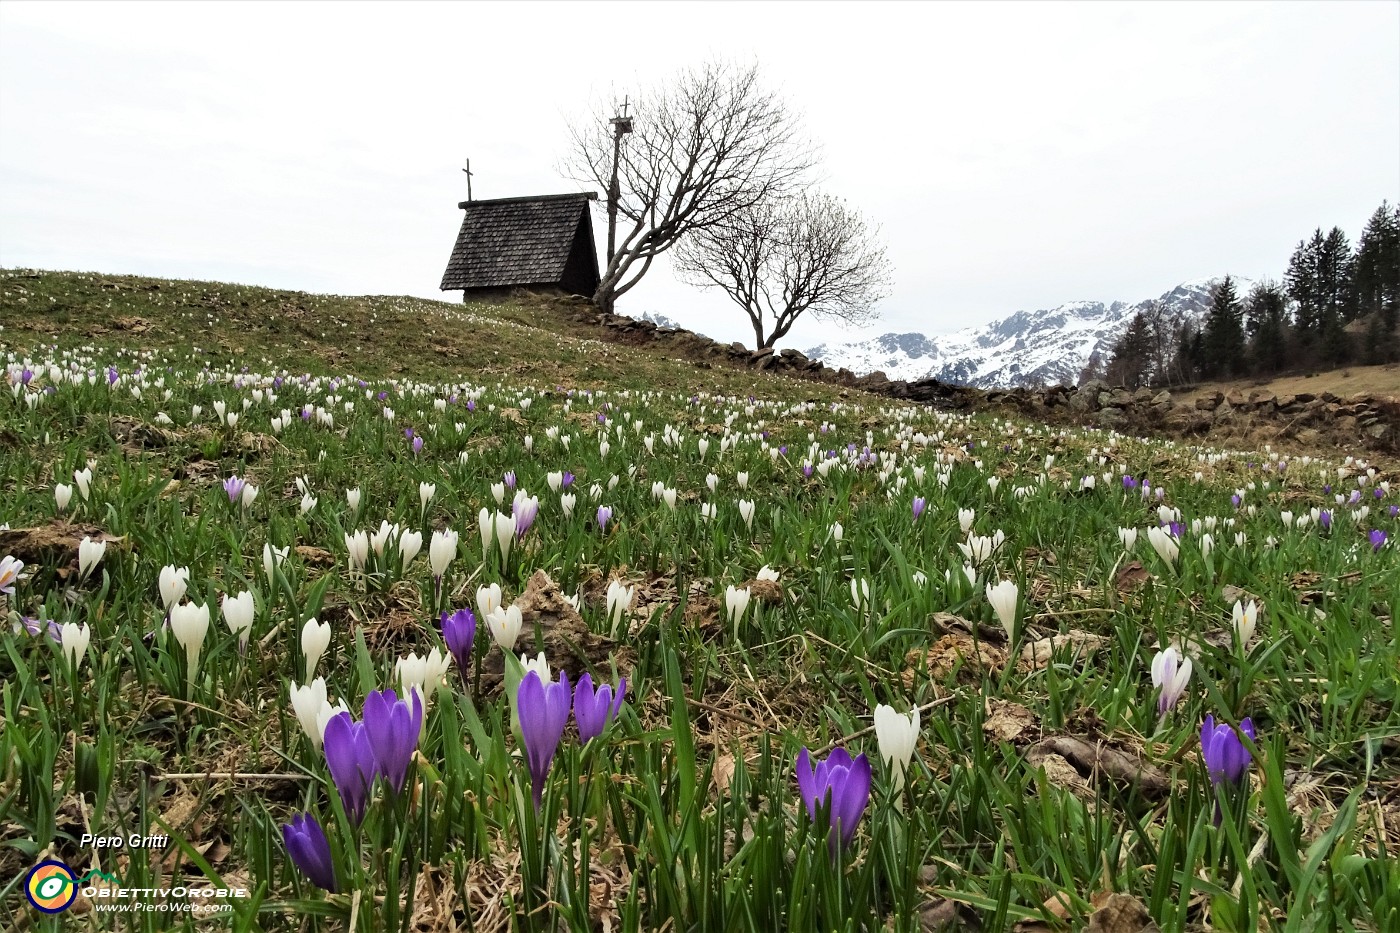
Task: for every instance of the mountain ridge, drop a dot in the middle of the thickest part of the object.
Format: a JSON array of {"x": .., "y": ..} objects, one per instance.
[{"x": 1026, "y": 348}]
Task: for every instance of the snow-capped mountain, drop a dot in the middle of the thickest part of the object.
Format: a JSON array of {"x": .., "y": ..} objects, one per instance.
[
  {"x": 1029, "y": 348},
  {"x": 660, "y": 320}
]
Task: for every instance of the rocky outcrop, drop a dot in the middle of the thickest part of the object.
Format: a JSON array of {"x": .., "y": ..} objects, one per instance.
[{"x": 1258, "y": 415}]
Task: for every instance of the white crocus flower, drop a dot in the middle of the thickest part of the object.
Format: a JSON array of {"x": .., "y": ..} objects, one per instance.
[
  {"x": 1170, "y": 674},
  {"x": 441, "y": 550},
  {"x": 315, "y": 639},
  {"x": 539, "y": 664},
  {"x": 62, "y": 495},
  {"x": 89, "y": 555},
  {"x": 767, "y": 573},
  {"x": 488, "y": 599},
  {"x": 357, "y": 550},
  {"x": 238, "y": 612},
  {"x": 1245, "y": 618},
  {"x": 897, "y": 734},
  {"x": 75, "y": 638},
  {"x": 190, "y": 623},
  {"x": 307, "y": 703},
  {"x": 1128, "y": 537},
  {"x": 173, "y": 582},
  {"x": 1164, "y": 544},
  {"x": 410, "y": 543},
  {"x": 618, "y": 602},
  {"x": 1003, "y": 600},
  {"x": 736, "y": 601},
  {"x": 504, "y": 623},
  {"x": 965, "y": 518}
]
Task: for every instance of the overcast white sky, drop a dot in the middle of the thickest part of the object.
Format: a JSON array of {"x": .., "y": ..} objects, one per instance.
[{"x": 1016, "y": 155}]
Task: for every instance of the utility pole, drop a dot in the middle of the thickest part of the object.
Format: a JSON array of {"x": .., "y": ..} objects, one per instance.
[
  {"x": 622, "y": 125},
  {"x": 468, "y": 170}
]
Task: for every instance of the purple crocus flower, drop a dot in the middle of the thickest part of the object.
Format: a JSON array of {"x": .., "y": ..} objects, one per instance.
[
  {"x": 918, "y": 506},
  {"x": 567, "y": 481},
  {"x": 1327, "y": 489},
  {"x": 1377, "y": 539},
  {"x": 112, "y": 376},
  {"x": 1324, "y": 518},
  {"x": 459, "y": 631},
  {"x": 417, "y": 445},
  {"x": 1225, "y": 756},
  {"x": 1129, "y": 482},
  {"x": 593, "y": 711},
  {"x": 25, "y": 376},
  {"x": 1394, "y": 511},
  {"x": 509, "y": 479},
  {"x": 604, "y": 516},
  {"x": 1379, "y": 493},
  {"x": 807, "y": 470},
  {"x": 310, "y": 851},
  {"x": 471, "y": 404},
  {"x": 543, "y": 710},
  {"x": 1177, "y": 529},
  {"x": 234, "y": 487},
  {"x": 34, "y": 627},
  {"x": 350, "y": 757},
  {"x": 1235, "y": 500},
  {"x": 393, "y": 726},
  {"x": 525, "y": 509},
  {"x": 840, "y": 784},
  {"x": 1355, "y": 497}
]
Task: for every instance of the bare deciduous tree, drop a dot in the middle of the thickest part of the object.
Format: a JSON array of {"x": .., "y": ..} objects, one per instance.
[
  {"x": 785, "y": 258},
  {"x": 703, "y": 148}
]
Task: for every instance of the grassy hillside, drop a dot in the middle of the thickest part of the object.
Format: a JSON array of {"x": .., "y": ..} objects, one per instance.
[
  {"x": 886, "y": 667},
  {"x": 377, "y": 336}
]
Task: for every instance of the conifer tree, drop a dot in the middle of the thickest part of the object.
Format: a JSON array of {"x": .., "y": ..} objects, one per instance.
[
  {"x": 1130, "y": 363},
  {"x": 1376, "y": 269},
  {"x": 1266, "y": 313},
  {"x": 1223, "y": 337}
]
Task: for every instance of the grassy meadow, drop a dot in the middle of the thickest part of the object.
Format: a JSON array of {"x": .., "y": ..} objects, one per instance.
[{"x": 764, "y": 561}]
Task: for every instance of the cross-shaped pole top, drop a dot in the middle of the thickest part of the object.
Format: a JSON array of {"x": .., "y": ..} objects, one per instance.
[{"x": 468, "y": 170}]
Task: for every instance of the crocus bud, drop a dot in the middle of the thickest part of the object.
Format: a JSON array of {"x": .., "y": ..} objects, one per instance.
[
  {"x": 736, "y": 601},
  {"x": 410, "y": 543},
  {"x": 238, "y": 613},
  {"x": 441, "y": 549},
  {"x": 357, "y": 550},
  {"x": 189, "y": 623},
  {"x": 307, "y": 703},
  {"x": 75, "y": 640},
  {"x": 62, "y": 495},
  {"x": 1003, "y": 600},
  {"x": 898, "y": 734},
  {"x": 315, "y": 638}
]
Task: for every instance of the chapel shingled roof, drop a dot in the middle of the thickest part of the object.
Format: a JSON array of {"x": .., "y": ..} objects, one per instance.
[{"x": 516, "y": 241}]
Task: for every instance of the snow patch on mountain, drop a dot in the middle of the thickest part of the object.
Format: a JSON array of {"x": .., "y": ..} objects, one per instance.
[{"x": 1028, "y": 348}]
